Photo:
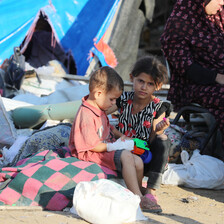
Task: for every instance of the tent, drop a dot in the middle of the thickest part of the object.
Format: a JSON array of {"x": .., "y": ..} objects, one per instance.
[{"x": 77, "y": 26}]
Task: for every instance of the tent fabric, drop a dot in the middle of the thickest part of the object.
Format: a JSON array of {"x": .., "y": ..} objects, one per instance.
[{"x": 77, "y": 25}]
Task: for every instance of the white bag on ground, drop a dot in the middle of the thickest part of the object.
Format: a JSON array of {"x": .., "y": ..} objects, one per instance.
[
  {"x": 9, "y": 154},
  {"x": 104, "y": 201},
  {"x": 201, "y": 171},
  {"x": 8, "y": 133}
]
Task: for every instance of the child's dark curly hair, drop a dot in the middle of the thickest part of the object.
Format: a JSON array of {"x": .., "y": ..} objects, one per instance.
[{"x": 152, "y": 66}]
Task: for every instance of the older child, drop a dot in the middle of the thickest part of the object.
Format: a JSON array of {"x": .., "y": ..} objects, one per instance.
[
  {"x": 142, "y": 115},
  {"x": 92, "y": 138}
]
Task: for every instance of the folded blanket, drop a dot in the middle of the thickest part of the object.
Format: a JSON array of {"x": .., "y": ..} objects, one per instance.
[{"x": 48, "y": 179}]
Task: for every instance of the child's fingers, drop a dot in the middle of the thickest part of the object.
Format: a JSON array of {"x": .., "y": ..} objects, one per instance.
[
  {"x": 122, "y": 138},
  {"x": 167, "y": 120},
  {"x": 162, "y": 125}
]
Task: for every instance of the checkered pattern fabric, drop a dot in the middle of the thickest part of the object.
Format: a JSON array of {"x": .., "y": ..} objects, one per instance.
[{"x": 48, "y": 179}]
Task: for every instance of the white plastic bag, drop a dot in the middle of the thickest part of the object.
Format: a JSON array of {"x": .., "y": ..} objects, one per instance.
[
  {"x": 201, "y": 171},
  {"x": 8, "y": 131},
  {"x": 9, "y": 154},
  {"x": 104, "y": 201}
]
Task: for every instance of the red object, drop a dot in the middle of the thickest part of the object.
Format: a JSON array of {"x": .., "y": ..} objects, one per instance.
[
  {"x": 110, "y": 57},
  {"x": 138, "y": 151}
]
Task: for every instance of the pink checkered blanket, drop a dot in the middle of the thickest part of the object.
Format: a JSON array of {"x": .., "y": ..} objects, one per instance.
[{"x": 48, "y": 179}]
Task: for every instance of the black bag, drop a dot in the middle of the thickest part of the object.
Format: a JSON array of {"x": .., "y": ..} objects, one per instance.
[{"x": 16, "y": 70}]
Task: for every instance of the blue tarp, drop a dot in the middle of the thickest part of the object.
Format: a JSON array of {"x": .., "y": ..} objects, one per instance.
[{"x": 77, "y": 25}]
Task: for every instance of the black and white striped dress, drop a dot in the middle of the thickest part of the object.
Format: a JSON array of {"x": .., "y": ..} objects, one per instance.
[{"x": 136, "y": 125}]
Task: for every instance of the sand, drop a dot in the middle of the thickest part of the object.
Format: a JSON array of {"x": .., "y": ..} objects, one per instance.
[{"x": 180, "y": 205}]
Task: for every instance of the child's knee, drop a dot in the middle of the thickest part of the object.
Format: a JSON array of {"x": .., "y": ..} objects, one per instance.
[
  {"x": 127, "y": 157},
  {"x": 138, "y": 162}
]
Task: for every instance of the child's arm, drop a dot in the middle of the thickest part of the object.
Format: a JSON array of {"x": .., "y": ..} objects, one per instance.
[
  {"x": 159, "y": 125},
  {"x": 118, "y": 145},
  {"x": 101, "y": 147}
]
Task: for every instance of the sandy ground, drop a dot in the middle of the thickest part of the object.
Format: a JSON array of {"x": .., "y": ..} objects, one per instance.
[{"x": 180, "y": 205}]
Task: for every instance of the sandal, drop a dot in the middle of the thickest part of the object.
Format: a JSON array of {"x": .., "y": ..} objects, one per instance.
[
  {"x": 148, "y": 205},
  {"x": 152, "y": 197},
  {"x": 148, "y": 195}
]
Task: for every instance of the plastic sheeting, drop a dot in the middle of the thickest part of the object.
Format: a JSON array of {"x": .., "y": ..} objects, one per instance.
[{"x": 78, "y": 25}]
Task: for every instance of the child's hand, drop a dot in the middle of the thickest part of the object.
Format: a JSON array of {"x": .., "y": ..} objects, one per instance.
[
  {"x": 124, "y": 137},
  {"x": 162, "y": 125},
  {"x": 119, "y": 145}
]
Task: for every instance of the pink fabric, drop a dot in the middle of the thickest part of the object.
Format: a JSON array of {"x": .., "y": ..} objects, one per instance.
[
  {"x": 91, "y": 127},
  {"x": 54, "y": 183},
  {"x": 9, "y": 196},
  {"x": 81, "y": 164},
  {"x": 83, "y": 176},
  {"x": 46, "y": 186},
  {"x": 57, "y": 206},
  {"x": 32, "y": 170},
  {"x": 152, "y": 197},
  {"x": 31, "y": 188},
  {"x": 60, "y": 165}
]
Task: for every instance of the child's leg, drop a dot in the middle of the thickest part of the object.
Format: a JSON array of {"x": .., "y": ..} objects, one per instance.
[
  {"x": 132, "y": 171},
  {"x": 139, "y": 169},
  {"x": 154, "y": 170}
]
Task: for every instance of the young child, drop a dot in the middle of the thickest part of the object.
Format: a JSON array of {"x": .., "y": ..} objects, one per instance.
[
  {"x": 92, "y": 138},
  {"x": 142, "y": 115}
]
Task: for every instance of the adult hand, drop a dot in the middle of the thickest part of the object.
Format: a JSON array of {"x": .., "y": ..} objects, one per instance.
[{"x": 220, "y": 78}]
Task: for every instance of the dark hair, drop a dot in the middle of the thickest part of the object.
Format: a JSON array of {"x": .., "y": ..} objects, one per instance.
[
  {"x": 106, "y": 78},
  {"x": 206, "y": 2},
  {"x": 152, "y": 66}
]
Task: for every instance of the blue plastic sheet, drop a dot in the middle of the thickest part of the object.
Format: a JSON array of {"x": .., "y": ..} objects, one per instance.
[{"x": 77, "y": 25}]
